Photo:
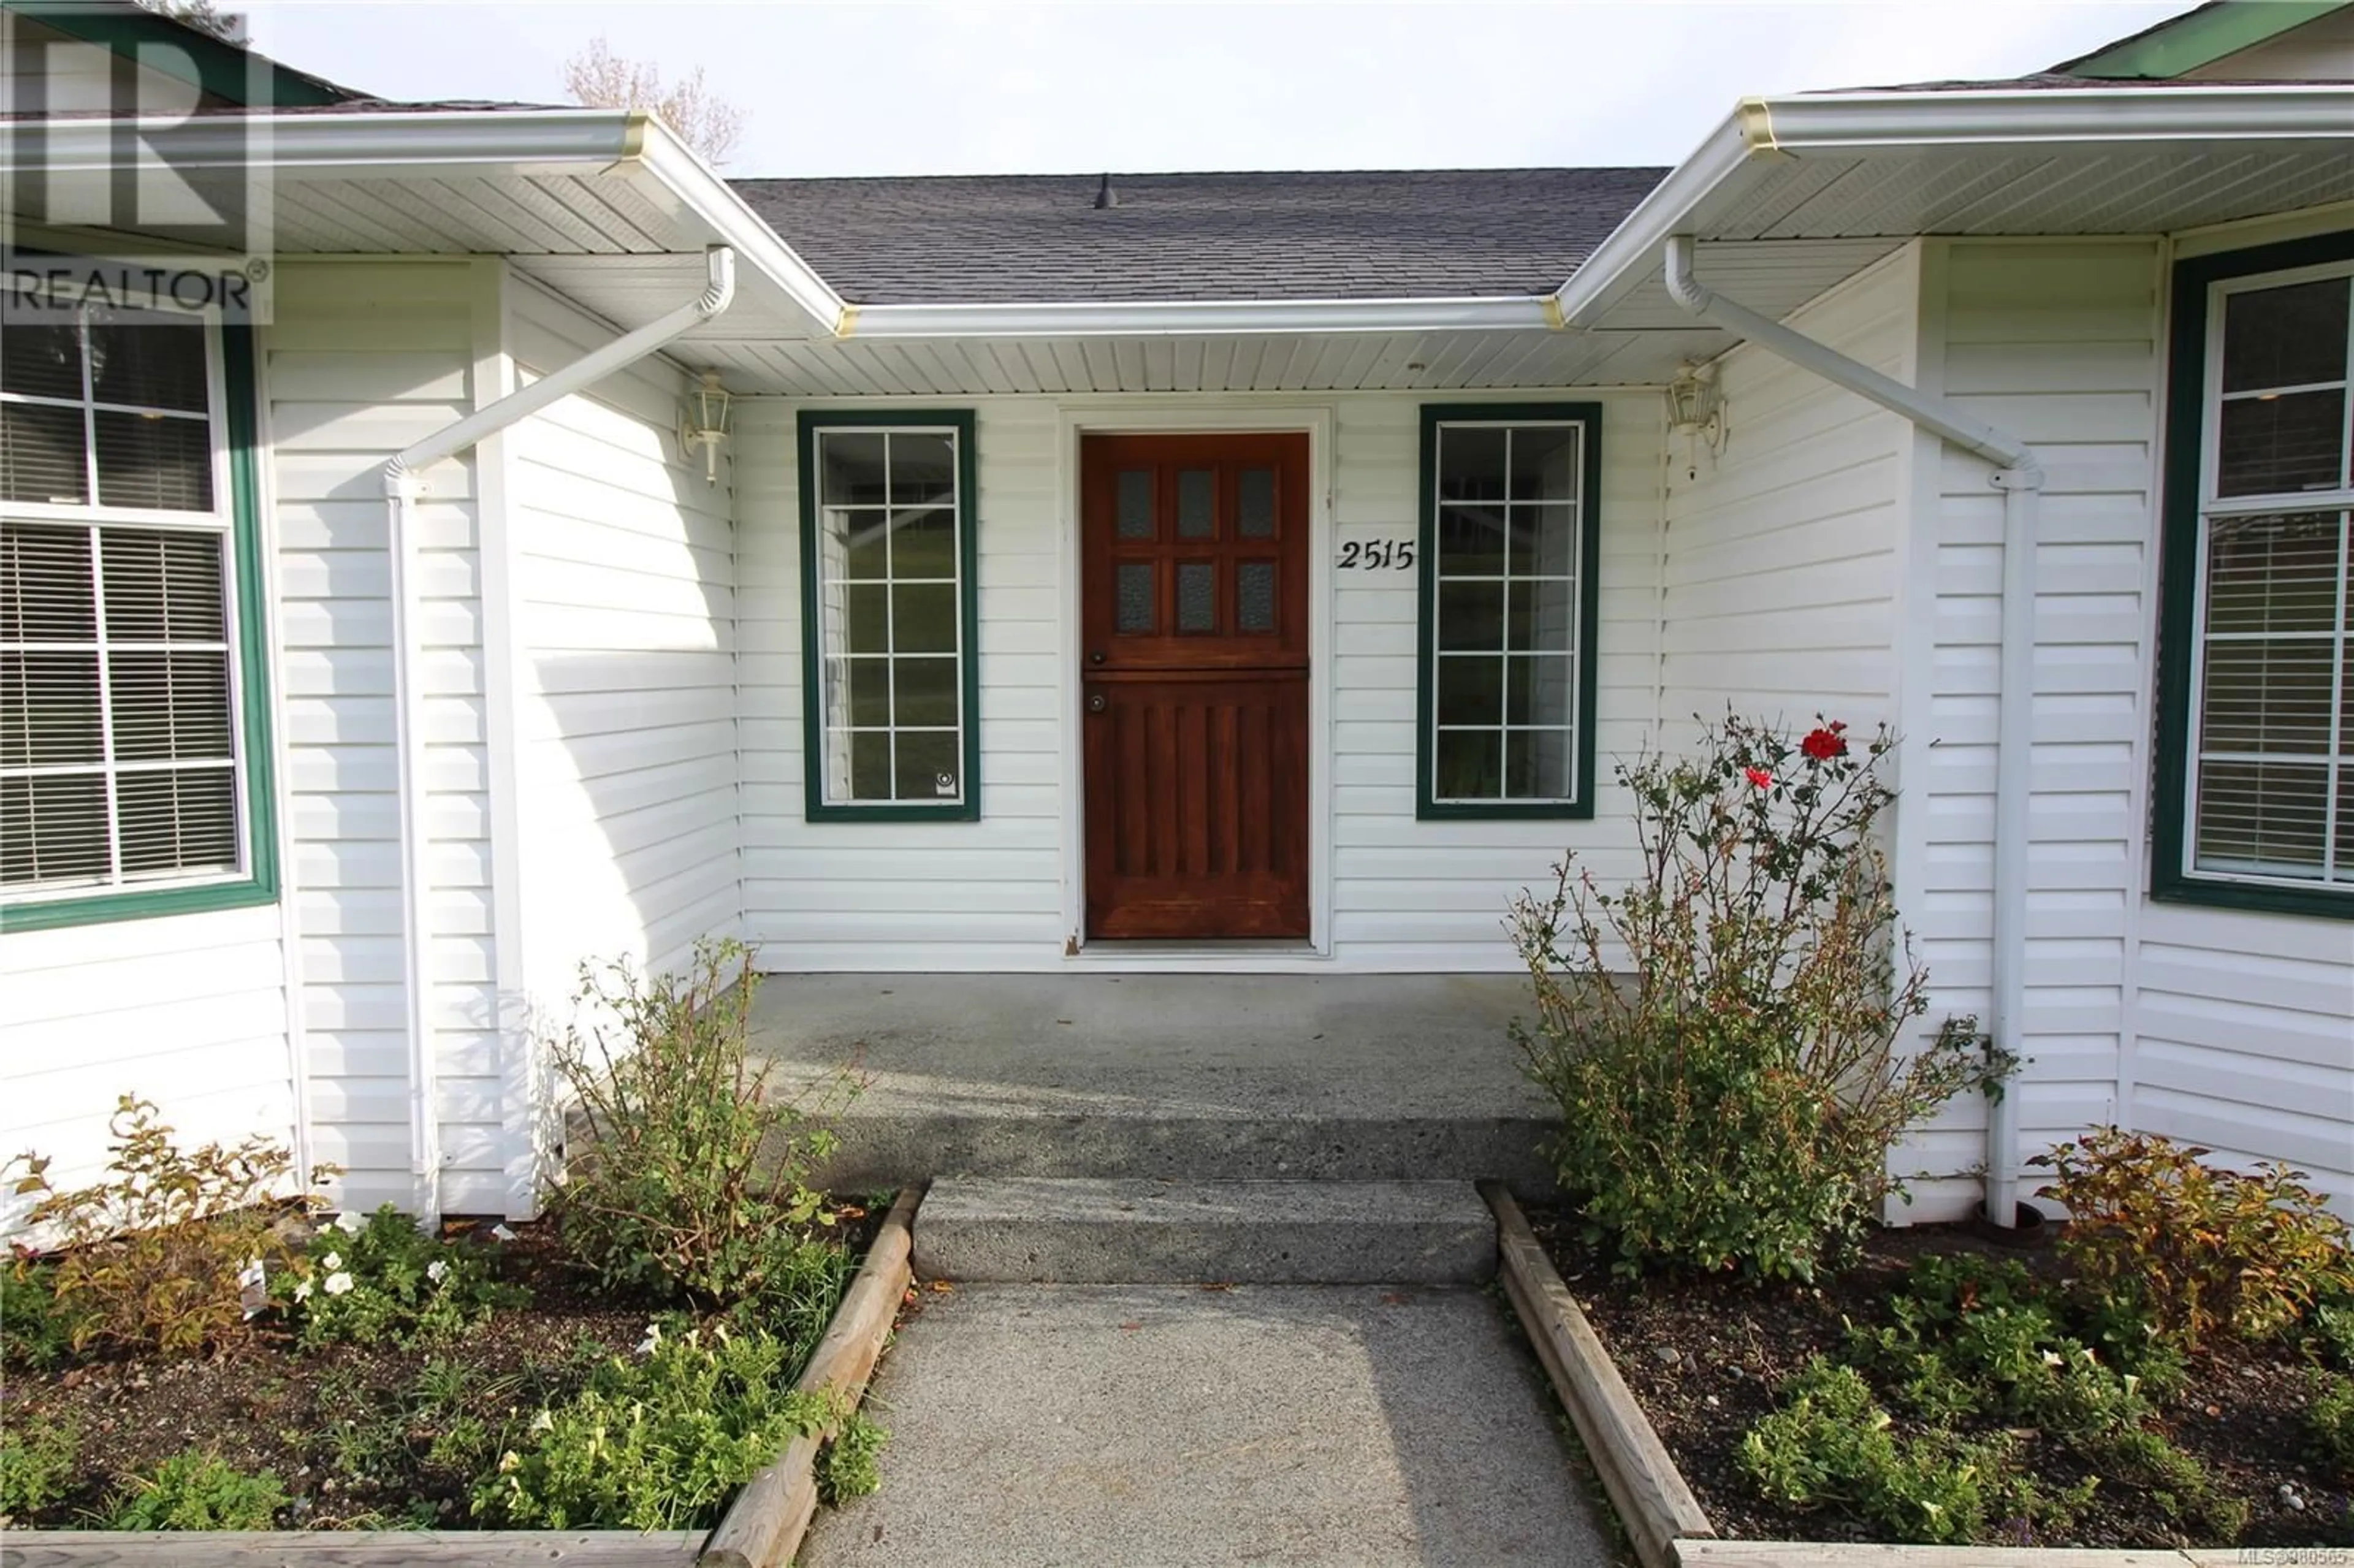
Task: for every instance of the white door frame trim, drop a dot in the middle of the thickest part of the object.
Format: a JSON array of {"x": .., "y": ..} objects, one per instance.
[{"x": 1190, "y": 416}]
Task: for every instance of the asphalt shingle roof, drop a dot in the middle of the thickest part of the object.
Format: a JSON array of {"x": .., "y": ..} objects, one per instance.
[{"x": 1329, "y": 236}]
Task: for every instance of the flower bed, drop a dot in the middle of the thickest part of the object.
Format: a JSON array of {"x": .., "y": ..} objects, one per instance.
[
  {"x": 204, "y": 1349},
  {"x": 1712, "y": 1361},
  {"x": 343, "y": 1420}
]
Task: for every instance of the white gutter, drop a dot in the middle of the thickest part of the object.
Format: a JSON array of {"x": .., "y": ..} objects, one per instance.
[
  {"x": 428, "y": 144},
  {"x": 1769, "y": 132},
  {"x": 404, "y": 486},
  {"x": 2020, "y": 477},
  {"x": 1182, "y": 318}
]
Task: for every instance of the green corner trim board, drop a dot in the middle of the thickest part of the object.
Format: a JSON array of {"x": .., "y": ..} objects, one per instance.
[{"x": 2196, "y": 39}]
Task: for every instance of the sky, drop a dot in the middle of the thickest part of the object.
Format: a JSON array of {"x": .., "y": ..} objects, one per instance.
[{"x": 883, "y": 88}]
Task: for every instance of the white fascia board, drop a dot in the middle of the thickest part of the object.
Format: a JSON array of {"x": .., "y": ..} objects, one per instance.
[
  {"x": 1202, "y": 318},
  {"x": 574, "y": 143},
  {"x": 1762, "y": 134}
]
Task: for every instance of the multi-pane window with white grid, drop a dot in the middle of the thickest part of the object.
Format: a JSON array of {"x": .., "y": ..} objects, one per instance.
[
  {"x": 889, "y": 562},
  {"x": 119, "y": 674},
  {"x": 2270, "y": 764},
  {"x": 1505, "y": 638}
]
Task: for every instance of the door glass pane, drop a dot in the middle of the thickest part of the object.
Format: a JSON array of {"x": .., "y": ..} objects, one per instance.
[
  {"x": 1543, "y": 540},
  {"x": 2272, "y": 446},
  {"x": 1135, "y": 503},
  {"x": 2285, "y": 337},
  {"x": 1471, "y": 616},
  {"x": 861, "y": 691},
  {"x": 1197, "y": 595},
  {"x": 1135, "y": 614},
  {"x": 850, "y": 469},
  {"x": 1542, "y": 614},
  {"x": 928, "y": 764},
  {"x": 1198, "y": 490},
  {"x": 864, "y": 537},
  {"x": 866, "y": 618},
  {"x": 1254, "y": 596},
  {"x": 1255, "y": 503}
]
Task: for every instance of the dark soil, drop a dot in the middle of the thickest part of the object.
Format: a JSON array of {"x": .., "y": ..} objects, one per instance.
[
  {"x": 347, "y": 1429},
  {"x": 1703, "y": 1356}
]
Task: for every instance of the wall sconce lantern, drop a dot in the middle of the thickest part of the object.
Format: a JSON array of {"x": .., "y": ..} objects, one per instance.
[
  {"x": 703, "y": 422},
  {"x": 1696, "y": 405}
]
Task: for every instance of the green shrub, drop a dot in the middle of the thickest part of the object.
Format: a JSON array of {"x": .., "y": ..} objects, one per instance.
[
  {"x": 1830, "y": 1444},
  {"x": 37, "y": 1466},
  {"x": 2329, "y": 1417},
  {"x": 2182, "y": 1488},
  {"x": 2329, "y": 1330},
  {"x": 157, "y": 1253},
  {"x": 658, "y": 1443},
  {"x": 33, "y": 1333},
  {"x": 2196, "y": 1249},
  {"x": 1732, "y": 1102},
  {"x": 850, "y": 1465},
  {"x": 384, "y": 1279},
  {"x": 692, "y": 1180},
  {"x": 197, "y": 1489}
]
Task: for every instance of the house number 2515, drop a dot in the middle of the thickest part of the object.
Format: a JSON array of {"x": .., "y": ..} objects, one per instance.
[{"x": 1377, "y": 556}]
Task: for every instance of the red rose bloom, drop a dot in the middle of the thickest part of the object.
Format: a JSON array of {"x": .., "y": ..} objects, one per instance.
[
  {"x": 1825, "y": 744},
  {"x": 1759, "y": 776}
]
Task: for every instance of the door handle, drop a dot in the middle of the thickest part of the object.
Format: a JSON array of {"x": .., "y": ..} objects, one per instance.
[
  {"x": 1098, "y": 703},
  {"x": 1097, "y": 657}
]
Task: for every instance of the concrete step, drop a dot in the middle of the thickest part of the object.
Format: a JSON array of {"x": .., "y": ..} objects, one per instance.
[
  {"x": 1139, "y": 1232},
  {"x": 888, "y": 1142}
]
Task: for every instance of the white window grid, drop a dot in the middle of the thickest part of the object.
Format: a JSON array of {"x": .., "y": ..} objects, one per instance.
[
  {"x": 1573, "y": 648},
  {"x": 92, "y": 514},
  {"x": 2214, "y": 508},
  {"x": 833, "y": 641}
]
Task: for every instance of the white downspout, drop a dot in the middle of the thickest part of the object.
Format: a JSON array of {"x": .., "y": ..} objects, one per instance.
[
  {"x": 2020, "y": 477},
  {"x": 404, "y": 485}
]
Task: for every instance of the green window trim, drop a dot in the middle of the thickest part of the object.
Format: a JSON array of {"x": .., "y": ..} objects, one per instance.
[
  {"x": 1427, "y": 806},
  {"x": 2171, "y": 880},
  {"x": 815, "y": 806},
  {"x": 258, "y": 886}
]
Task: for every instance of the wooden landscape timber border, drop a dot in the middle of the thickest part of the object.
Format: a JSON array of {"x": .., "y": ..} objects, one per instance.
[
  {"x": 763, "y": 1526},
  {"x": 1663, "y": 1518},
  {"x": 761, "y": 1529}
]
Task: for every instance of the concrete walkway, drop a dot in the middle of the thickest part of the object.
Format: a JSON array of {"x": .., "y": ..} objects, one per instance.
[{"x": 1085, "y": 1426}]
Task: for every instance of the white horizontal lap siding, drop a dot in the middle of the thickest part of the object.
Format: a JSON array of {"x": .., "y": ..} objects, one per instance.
[
  {"x": 188, "y": 1011},
  {"x": 362, "y": 359},
  {"x": 1432, "y": 895},
  {"x": 2056, "y": 341},
  {"x": 910, "y": 895},
  {"x": 1782, "y": 550},
  {"x": 2244, "y": 1038},
  {"x": 989, "y": 895},
  {"x": 624, "y": 589}
]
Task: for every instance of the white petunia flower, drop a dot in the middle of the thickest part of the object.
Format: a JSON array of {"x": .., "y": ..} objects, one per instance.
[
  {"x": 339, "y": 1284},
  {"x": 500, "y": 1233},
  {"x": 2052, "y": 1358},
  {"x": 654, "y": 1337},
  {"x": 438, "y": 1270},
  {"x": 351, "y": 1222},
  {"x": 332, "y": 1261},
  {"x": 543, "y": 1422},
  {"x": 301, "y": 1290}
]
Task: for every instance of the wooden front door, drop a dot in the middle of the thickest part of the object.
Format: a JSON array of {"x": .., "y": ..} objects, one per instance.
[{"x": 1195, "y": 570}]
